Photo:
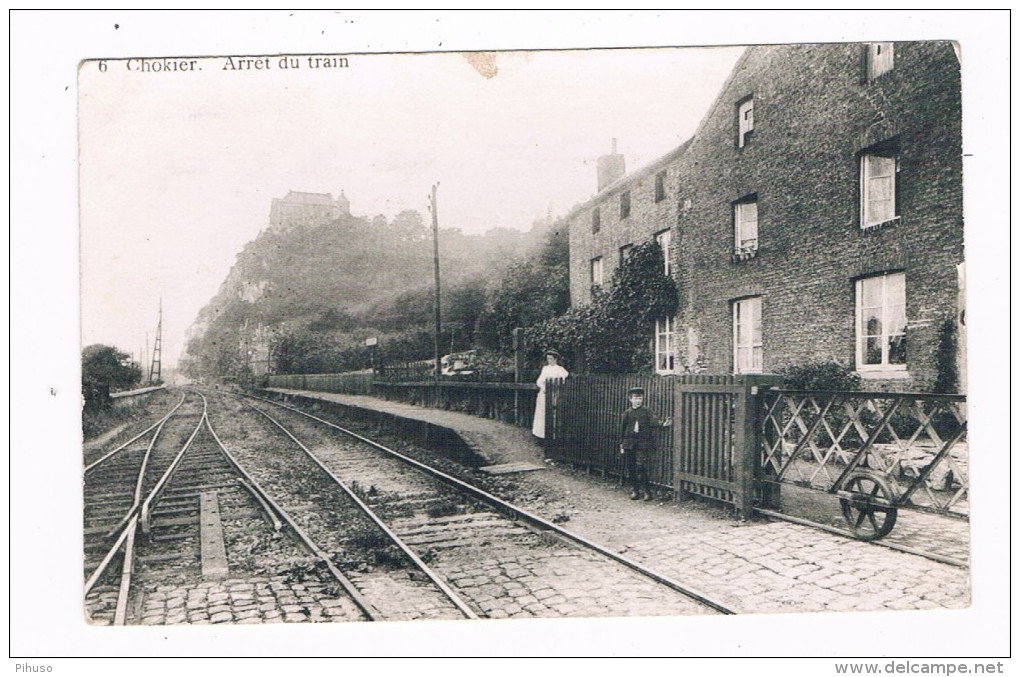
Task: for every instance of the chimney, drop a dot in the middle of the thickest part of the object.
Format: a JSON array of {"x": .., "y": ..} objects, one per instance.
[{"x": 610, "y": 168}]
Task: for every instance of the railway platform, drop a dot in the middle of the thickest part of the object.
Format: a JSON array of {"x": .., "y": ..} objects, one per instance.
[{"x": 756, "y": 566}]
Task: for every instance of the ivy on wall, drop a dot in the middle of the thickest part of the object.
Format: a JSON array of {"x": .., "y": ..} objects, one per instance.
[{"x": 612, "y": 333}]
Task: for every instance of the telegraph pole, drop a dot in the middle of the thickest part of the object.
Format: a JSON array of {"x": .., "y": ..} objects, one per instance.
[
  {"x": 435, "y": 258},
  {"x": 155, "y": 371}
]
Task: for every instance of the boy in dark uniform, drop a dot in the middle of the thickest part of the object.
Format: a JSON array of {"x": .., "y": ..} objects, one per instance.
[{"x": 637, "y": 442}]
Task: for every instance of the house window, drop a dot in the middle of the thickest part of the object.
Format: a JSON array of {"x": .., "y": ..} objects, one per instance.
[
  {"x": 878, "y": 187},
  {"x": 665, "y": 239},
  {"x": 882, "y": 323},
  {"x": 879, "y": 58},
  {"x": 745, "y": 226},
  {"x": 665, "y": 355},
  {"x": 745, "y": 121},
  {"x": 747, "y": 351},
  {"x": 596, "y": 220},
  {"x": 625, "y": 252},
  {"x": 596, "y": 271},
  {"x": 624, "y": 204},
  {"x": 660, "y": 186}
]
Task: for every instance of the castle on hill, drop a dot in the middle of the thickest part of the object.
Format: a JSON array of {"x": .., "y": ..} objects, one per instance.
[{"x": 306, "y": 209}]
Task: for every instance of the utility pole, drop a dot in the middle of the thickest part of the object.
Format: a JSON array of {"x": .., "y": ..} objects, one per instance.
[
  {"x": 435, "y": 258},
  {"x": 155, "y": 371}
]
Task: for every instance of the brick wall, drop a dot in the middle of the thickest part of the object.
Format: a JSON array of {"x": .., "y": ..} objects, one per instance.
[
  {"x": 813, "y": 116},
  {"x": 647, "y": 218},
  {"x": 814, "y": 112}
]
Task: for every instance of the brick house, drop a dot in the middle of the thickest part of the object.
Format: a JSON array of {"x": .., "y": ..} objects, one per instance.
[
  {"x": 815, "y": 216},
  {"x": 628, "y": 209}
]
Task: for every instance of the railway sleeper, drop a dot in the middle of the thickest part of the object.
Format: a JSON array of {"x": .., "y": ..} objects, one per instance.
[
  {"x": 179, "y": 556},
  {"x": 167, "y": 538},
  {"x": 193, "y": 486},
  {"x": 172, "y": 522},
  {"x": 448, "y": 527},
  {"x": 460, "y": 539}
]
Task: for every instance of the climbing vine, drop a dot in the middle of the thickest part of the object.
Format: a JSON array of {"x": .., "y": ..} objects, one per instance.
[{"x": 612, "y": 333}]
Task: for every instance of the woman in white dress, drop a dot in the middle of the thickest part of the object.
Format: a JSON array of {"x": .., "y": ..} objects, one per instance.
[{"x": 552, "y": 369}]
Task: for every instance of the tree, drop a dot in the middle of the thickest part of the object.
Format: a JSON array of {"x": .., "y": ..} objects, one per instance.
[
  {"x": 104, "y": 369},
  {"x": 531, "y": 291}
]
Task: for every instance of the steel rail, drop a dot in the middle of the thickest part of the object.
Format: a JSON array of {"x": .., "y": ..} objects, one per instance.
[
  {"x": 160, "y": 422},
  {"x": 161, "y": 484},
  {"x": 94, "y": 578},
  {"x": 942, "y": 559},
  {"x": 359, "y": 600},
  {"x": 128, "y": 524},
  {"x": 120, "y": 616},
  {"x": 461, "y": 605},
  {"x": 529, "y": 518},
  {"x": 140, "y": 482},
  {"x": 247, "y": 481}
]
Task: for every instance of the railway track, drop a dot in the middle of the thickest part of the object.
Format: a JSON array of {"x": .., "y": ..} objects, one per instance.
[
  {"x": 196, "y": 518},
  {"x": 114, "y": 488},
  {"x": 240, "y": 510},
  {"x": 499, "y": 559}
]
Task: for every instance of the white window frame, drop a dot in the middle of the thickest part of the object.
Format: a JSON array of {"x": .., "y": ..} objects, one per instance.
[
  {"x": 747, "y": 336},
  {"x": 665, "y": 358},
  {"x": 596, "y": 271},
  {"x": 881, "y": 59},
  {"x": 665, "y": 241},
  {"x": 625, "y": 252},
  {"x": 745, "y": 229},
  {"x": 745, "y": 121},
  {"x": 886, "y": 310},
  {"x": 869, "y": 176}
]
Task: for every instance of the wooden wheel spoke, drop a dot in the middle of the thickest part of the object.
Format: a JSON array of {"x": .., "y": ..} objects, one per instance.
[{"x": 866, "y": 508}]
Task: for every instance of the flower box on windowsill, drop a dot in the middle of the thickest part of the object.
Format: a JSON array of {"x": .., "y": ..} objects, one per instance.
[
  {"x": 744, "y": 254},
  {"x": 882, "y": 225}
]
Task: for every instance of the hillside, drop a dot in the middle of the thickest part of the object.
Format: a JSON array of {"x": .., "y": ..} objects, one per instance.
[{"x": 337, "y": 280}]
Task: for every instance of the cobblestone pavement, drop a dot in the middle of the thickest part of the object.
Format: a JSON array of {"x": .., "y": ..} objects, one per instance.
[
  {"x": 270, "y": 600},
  {"x": 562, "y": 581},
  {"x": 766, "y": 567},
  {"x": 915, "y": 530}
]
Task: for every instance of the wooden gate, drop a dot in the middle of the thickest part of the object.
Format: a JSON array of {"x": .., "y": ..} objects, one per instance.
[{"x": 715, "y": 437}]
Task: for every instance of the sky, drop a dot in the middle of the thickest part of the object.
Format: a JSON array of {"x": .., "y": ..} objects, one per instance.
[{"x": 178, "y": 169}]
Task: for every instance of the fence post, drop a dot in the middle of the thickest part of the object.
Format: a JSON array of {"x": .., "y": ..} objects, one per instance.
[
  {"x": 755, "y": 391},
  {"x": 518, "y": 344},
  {"x": 744, "y": 447}
]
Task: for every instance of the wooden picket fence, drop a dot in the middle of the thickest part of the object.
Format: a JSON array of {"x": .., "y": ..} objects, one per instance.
[
  {"x": 710, "y": 450},
  {"x": 583, "y": 415},
  {"x": 350, "y": 383}
]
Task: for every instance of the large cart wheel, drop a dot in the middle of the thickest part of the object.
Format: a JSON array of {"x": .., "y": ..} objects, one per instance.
[{"x": 866, "y": 501}]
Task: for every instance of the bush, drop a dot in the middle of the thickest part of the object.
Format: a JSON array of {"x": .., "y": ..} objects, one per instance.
[{"x": 820, "y": 376}]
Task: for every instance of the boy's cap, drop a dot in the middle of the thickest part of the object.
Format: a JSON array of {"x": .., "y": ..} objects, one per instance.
[
  {"x": 636, "y": 391},
  {"x": 552, "y": 352}
]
